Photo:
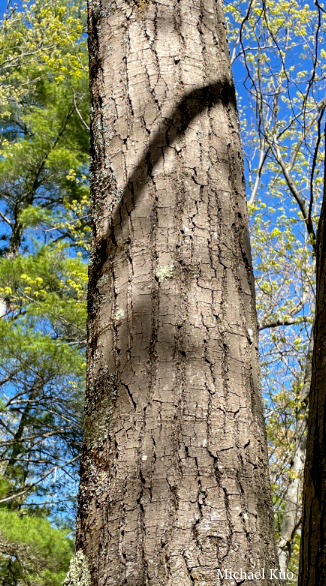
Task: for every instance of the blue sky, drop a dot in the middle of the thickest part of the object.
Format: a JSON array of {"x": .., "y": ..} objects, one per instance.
[{"x": 3, "y": 4}]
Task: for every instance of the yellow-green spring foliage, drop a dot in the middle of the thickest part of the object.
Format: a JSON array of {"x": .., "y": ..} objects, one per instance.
[{"x": 44, "y": 242}]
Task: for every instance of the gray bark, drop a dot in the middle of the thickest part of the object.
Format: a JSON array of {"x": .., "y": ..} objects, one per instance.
[{"x": 174, "y": 474}]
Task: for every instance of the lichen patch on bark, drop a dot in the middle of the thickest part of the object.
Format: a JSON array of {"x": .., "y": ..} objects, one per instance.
[
  {"x": 78, "y": 574},
  {"x": 164, "y": 273}
]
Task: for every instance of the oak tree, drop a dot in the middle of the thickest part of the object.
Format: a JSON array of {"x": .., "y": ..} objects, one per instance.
[{"x": 174, "y": 474}]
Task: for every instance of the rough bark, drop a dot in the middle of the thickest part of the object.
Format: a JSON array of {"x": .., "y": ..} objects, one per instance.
[
  {"x": 174, "y": 473},
  {"x": 292, "y": 517},
  {"x": 312, "y": 570}
]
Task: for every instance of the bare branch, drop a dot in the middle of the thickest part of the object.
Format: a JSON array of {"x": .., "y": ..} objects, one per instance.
[
  {"x": 9, "y": 222},
  {"x": 79, "y": 114},
  {"x": 284, "y": 322},
  {"x": 30, "y": 486}
]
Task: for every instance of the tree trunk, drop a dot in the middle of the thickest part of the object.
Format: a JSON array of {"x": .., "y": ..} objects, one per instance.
[
  {"x": 291, "y": 518},
  {"x": 312, "y": 571},
  {"x": 174, "y": 473}
]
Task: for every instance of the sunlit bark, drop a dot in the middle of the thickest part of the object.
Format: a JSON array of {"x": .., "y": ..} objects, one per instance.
[{"x": 174, "y": 475}]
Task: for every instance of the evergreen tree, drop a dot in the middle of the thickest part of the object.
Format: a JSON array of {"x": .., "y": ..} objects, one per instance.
[{"x": 43, "y": 277}]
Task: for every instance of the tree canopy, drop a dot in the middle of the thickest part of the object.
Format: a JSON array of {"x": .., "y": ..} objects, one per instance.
[{"x": 44, "y": 148}]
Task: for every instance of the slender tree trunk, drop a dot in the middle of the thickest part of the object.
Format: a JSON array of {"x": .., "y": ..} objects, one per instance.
[
  {"x": 292, "y": 517},
  {"x": 174, "y": 474},
  {"x": 312, "y": 571}
]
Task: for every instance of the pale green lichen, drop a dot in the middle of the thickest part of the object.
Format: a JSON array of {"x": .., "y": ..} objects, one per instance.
[
  {"x": 104, "y": 279},
  {"x": 78, "y": 574},
  {"x": 164, "y": 273},
  {"x": 119, "y": 315}
]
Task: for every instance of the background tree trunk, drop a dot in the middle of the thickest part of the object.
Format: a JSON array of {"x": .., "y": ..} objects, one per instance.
[
  {"x": 292, "y": 516},
  {"x": 174, "y": 474},
  {"x": 312, "y": 571}
]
